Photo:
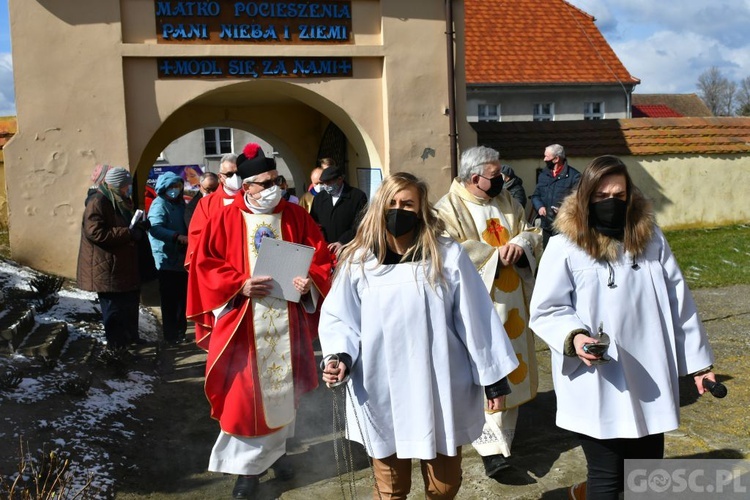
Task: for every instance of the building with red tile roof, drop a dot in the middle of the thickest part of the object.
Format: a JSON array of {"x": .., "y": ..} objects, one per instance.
[
  {"x": 625, "y": 137},
  {"x": 681, "y": 104},
  {"x": 654, "y": 111},
  {"x": 694, "y": 169},
  {"x": 542, "y": 60}
]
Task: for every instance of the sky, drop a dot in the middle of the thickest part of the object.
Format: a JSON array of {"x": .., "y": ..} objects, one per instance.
[{"x": 665, "y": 44}]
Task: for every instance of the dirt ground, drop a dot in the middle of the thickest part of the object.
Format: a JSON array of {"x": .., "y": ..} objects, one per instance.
[
  {"x": 171, "y": 453},
  {"x": 160, "y": 448}
]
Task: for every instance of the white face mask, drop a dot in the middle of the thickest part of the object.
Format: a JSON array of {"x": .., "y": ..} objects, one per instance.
[
  {"x": 233, "y": 183},
  {"x": 267, "y": 200},
  {"x": 317, "y": 188}
]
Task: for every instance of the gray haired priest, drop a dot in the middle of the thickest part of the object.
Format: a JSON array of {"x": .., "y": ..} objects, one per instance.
[{"x": 492, "y": 228}]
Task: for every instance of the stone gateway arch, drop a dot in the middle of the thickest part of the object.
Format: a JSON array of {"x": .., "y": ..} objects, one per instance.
[{"x": 111, "y": 81}]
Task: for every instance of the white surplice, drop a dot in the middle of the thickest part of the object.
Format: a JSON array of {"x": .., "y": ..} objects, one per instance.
[
  {"x": 646, "y": 308},
  {"x": 422, "y": 354}
]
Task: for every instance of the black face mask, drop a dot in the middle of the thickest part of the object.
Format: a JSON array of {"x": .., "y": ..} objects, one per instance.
[
  {"x": 608, "y": 217},
  {"x": 550, "y": 164},
  {"x": 399, "y": 222},
  {"x": 496, "y": 186}
]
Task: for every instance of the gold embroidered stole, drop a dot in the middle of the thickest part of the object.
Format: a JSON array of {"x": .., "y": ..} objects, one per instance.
[{"x": 271, "y": 326}]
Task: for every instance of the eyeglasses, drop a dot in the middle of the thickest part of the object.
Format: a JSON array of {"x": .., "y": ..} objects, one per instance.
[
  {"x": 266, "y": 184},
  {"x": 228, "y": 174}
]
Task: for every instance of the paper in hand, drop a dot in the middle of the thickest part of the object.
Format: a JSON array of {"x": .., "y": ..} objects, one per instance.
[
  {"x": 283, "y": 261},
  {"x": 136, "y": 217}
]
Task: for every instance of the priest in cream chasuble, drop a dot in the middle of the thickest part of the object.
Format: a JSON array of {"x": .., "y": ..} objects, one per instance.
[{"x": 493, "y": 230}]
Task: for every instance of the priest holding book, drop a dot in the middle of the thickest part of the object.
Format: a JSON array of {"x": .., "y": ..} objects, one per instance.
[{"x": 260, "y": 355}]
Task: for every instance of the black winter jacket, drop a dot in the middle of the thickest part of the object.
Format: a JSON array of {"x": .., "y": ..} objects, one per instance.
[
  {"x": 551, "y": 191},
  {"x": 339, "y": 223}
]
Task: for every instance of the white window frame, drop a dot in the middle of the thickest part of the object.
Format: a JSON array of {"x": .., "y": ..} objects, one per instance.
[
  {"x": 484, "y": 113},
  {"x": 589, "y": 112},
  {"x": 544, "y": 111},
  {"x": 217, "y": 142}
]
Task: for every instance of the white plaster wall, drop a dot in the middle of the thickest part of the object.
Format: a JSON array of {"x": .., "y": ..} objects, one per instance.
[
  {"x": 70, "y": 109},
  {"x": 517, "y": 103}
]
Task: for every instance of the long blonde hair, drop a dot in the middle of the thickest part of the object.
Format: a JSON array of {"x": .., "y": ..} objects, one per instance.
[{"x": 372, "y": 236}]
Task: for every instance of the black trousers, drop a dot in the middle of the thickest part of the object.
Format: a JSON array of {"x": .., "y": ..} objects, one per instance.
[
  {"x": 120, "y": 317},
  {"x": 606, "y": 466},
  {"x": 173, "y": 297}
]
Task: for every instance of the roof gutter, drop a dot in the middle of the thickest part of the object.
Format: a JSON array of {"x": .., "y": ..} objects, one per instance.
[{"x": 449, "y": 40}]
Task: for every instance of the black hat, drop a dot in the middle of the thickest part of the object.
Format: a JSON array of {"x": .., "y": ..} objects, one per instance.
[
  {"x": 252, "y": 161},
  {"x": 330, "y": 173}
]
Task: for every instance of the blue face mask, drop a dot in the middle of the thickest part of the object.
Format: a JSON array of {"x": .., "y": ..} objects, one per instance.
[
  {"x": 173, "y": 193},
  {"x": 129, "y": 193}
]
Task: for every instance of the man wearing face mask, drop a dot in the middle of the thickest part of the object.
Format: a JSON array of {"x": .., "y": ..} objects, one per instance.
[
  {"x": 260, "y": 353},
  {"x": 230, "y": 185},
  {"x": 306, "y": 200},
  {"x": 337, "y": 208},
  {"x": 281, "y": 182},
  {"x": 504, "y": 248},
  {"x": 555, "y": 182},
  {"x": 209, "y": 182},
  {"x": 168, "y": 237}
]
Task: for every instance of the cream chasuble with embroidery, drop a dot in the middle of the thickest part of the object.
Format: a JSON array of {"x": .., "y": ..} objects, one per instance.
[{"x": 482, "y": 226}]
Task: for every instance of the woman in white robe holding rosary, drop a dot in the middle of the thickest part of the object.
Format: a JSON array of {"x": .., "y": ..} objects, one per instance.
[{"x": 409, "y": 320}]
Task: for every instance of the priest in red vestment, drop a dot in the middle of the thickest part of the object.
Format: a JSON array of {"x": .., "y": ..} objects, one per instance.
[
  {"x": 230, "y": 184},
  {"x": 260, "y": 354}
]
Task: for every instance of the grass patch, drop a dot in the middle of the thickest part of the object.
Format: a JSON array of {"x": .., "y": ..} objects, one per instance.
[{"x": 715, "y": 257}]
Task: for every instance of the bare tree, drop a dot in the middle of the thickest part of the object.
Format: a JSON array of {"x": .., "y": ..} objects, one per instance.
[
  {"x": 743, "y": 97},
  {"x": 717, "y": 91}
]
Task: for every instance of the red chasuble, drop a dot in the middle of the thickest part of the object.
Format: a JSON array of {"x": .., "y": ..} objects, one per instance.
[
  {"x": 206, "y": 207},
  {"x": 219, "y": 268}
]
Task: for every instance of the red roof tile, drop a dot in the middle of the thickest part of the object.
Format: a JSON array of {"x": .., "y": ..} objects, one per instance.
[
  {"x": 654, "y": 111},
  {"x": 685, "y": 104},
  {"x": 633, "y": 136},
  {"x": 537, "y": 42},
  {"x": 8, "y": 129}
]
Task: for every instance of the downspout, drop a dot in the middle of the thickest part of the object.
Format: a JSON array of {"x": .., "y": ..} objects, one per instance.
[
  {"x": 628, "y": 106},
  {"x": 449, "y": 34}
]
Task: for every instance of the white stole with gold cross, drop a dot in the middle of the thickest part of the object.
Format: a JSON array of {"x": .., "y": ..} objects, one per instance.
[{"x": 271, "y": 326}]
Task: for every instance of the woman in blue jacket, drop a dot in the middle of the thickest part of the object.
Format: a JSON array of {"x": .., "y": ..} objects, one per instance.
[{"x": 168, "y": 236}]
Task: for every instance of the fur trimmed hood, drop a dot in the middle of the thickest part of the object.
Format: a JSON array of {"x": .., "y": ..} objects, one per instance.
[{"x": 638, "y": 231}]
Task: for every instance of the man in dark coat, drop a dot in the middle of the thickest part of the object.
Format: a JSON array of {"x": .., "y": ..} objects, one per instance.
[
  {"x": 337, "y": 208},
  {"x": 514, "y": 185},
  {"x": 108, "y": 257},
  {"x": 553, "y": 185}
]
